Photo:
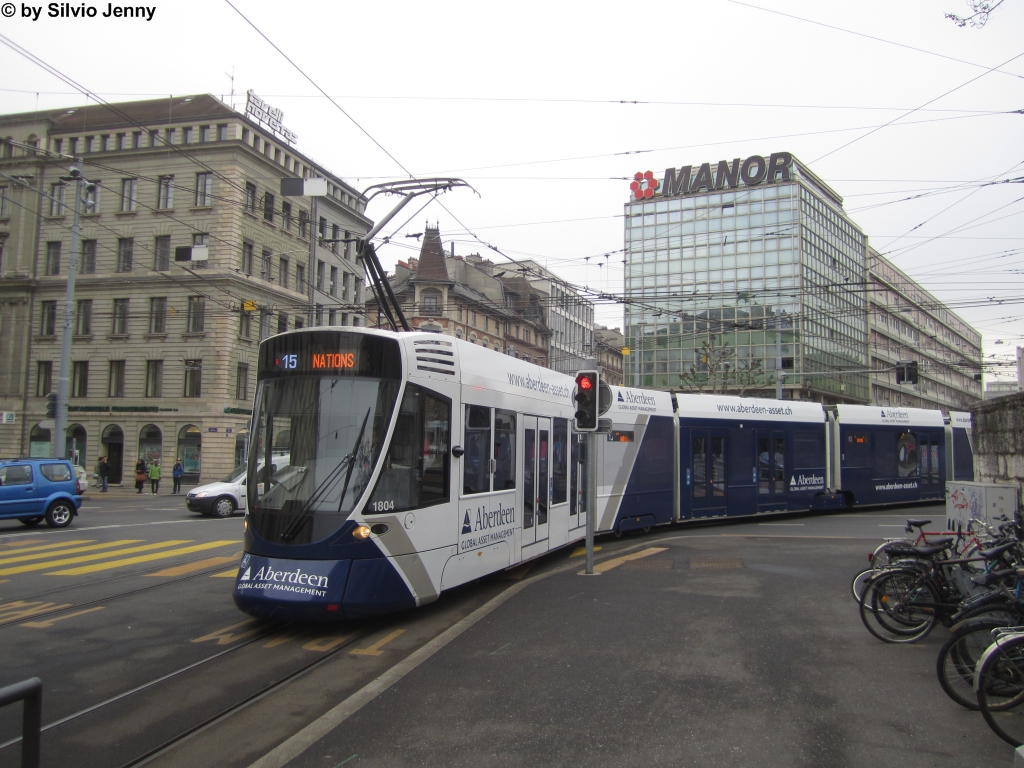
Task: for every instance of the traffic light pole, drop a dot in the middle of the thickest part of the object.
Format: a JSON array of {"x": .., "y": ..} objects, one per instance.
[
  {"x": 64, "y": 383},
  {"x": 591, "y": 489}
]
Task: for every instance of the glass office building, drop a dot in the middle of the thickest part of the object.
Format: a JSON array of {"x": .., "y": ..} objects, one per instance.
[{"x": 736, "y": 270}]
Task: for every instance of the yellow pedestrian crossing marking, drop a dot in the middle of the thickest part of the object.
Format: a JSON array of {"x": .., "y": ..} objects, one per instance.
[
  {"x": 375, "y": 649},
  {"x": 23, "y": 550},
  {"x": 20, "y": 558},
  {"x": 88, "y": 558},
  {"x": 23, "y": 609},
  {"x": 50, "y": 622},
  {"x": 607, "y": 565},
  {"x": 229, "y": 574},
  {"x": 581, "y": 551},
  {"x": 181, "y": 570},
  {"x": 143, "y": 558}
]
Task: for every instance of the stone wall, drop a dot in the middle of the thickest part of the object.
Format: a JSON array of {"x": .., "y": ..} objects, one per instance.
[{"x": 998, "y": 437}]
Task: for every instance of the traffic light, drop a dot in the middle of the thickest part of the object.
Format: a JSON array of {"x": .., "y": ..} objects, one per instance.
[
  {"x": 587, "y": 386},
  {"x": 51, "y": 405},
  {"x": 906, "y": 373}
]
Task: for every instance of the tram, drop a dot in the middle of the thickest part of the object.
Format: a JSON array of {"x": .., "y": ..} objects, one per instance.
[{"x": 417, "y": 462}]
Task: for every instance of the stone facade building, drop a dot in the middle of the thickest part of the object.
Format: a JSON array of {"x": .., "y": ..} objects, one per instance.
[
  {"x": 570, "y": 316},
  {"x": 164, "y": 351},
  {"x": 608, "y": 344},
  {"x": 469, "y": 298}
]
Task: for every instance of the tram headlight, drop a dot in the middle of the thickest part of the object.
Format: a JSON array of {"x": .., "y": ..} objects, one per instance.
[{"x": 361, "y": 533}]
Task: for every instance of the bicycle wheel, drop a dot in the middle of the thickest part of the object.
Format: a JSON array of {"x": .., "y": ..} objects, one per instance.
[
  {"x": 860, "y": 581},
  {"x": 959, "y": 655},
  {"x": 999, "y": 685},
  {"x": 897, "y": 607}
]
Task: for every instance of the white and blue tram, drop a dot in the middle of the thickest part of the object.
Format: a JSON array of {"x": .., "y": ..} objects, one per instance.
[{"x": 386, "y": 467}]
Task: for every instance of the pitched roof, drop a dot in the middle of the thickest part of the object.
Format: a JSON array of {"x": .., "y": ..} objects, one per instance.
[
  {"x": 431, "y": 266},
  {"x": 151, "y": 111}
]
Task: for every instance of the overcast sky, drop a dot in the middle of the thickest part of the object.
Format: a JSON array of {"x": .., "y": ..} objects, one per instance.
[{"x": 524, "y": 101}]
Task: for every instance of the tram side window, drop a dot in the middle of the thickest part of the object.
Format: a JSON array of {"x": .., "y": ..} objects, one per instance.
[
  {"x": 504, "y": 450},
  {"x": 559, "y": 461},
  {"x": 808, "y": 450},
  {"x": 906, "y": 455},
  {"x": 476, "y": 463},
  {"x": 885, "y": 453},
  {"x": 416, "y": 469},
  {"x": 857, "y": 450}
]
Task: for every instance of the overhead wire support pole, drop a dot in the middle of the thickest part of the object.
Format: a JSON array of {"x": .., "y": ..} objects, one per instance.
[{"x": 63, "y": 383}]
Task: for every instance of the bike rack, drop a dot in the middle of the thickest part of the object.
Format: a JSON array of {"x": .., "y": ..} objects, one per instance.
[{"x": 31, "y": 692}]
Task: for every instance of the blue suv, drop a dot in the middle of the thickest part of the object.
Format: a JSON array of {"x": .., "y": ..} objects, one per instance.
[{"x": 32, "y": 490}]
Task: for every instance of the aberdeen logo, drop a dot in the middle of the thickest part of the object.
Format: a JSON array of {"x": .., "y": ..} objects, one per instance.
[
  {"x": 246, "y": 576},
  {"x": 644, "y": 185},
  {"x": 620, "y": 398},
  {"x": 466, "y": 526}
]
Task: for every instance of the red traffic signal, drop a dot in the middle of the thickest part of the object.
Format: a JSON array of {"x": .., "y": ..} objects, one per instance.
[{"x": 586, "y": 401}]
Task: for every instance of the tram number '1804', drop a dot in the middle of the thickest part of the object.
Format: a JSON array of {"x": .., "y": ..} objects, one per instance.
[{"x": 381, "y": 506}]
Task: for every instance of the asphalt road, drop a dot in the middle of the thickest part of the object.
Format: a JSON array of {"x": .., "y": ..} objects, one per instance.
[{"x": 729, "y": 645}]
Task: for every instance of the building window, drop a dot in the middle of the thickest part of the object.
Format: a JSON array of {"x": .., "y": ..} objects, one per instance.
[
  {"x": 57, "y": 199},
  {"x": 335, "y": 236},
  {"x": 222, "y": 132},
  {"x": 48, "y": 318},
  {"x": 83, "y": 318},
  {"x": 204, "y": 133},
  {"x": 88, "y": 257},
  {"x": 53, "y": 258},
  {"x": 332, "y": 317},
  {"x": 250, "y": 197},
  {"x": 322, "y": 228},
  {"x": 91, "y": 200},
  {"x": 137, "y": 140},
  {"x": 286, "y": 216},
  {"x": 429, "y": 303},
  {"x": 242, "y": 382},
  {"x": 334, "y": 281},
  {"x": 158, "y": 314},
  {"x": 204, "y": 190},
  {"x": 268, "y": 207},
  {"x": 196, "y": 314},
  {"x": 165, "y": 192},
  {"x": 125, "y": 250},
  {"x": 44, "y": 378},
  {"x": 80, "y": 378},
  {"x": 282, "y": 322},
  {"x": 300, "y": 278},
  {"x": 58, "y": 145},
  {"x": 318, "y": 315},
  {"x": 298, "y": 323},
  {"x": 162, "y": 253},
  {"x": 320, "y": 269},
  {"x": 265, "y": 266},
  {"x": 199, "y": 240},
  {"x": 120, "y": 324},
  {"x": 303, "y": 223},
  {"x": 244, "y": 325},
  {"x": 186, "y": 135},
  {"x": 154, "y": 378},
  {"x": 193, "y": 378},
  {"x": 122, "y": 141},
  {"x": 4, "y": 205},
  {"x": 129, "y": 188},
  {"x": 115, "y": 386},
  {"x": 282, "y": 272},
  {"x": 247, "y": 258}
]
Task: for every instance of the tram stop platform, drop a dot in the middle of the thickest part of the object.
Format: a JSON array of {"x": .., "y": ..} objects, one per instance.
[{"x": 705, "y": 648}]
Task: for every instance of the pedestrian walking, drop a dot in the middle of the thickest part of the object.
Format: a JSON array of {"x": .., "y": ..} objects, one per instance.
[
  {"x": 176, "y": 473},
  {"x": 140, "y": 475},
  {"x": 154, "y": 476},
  {"x": 104, "y": 472}
]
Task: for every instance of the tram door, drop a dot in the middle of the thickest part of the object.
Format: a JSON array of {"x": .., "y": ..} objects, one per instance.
[
  {"x": 771, "y": 470},
  {"x": 928, "y": 448},
  {"x": 536, "y": 483},
  {"x": 708, "y": 472}
]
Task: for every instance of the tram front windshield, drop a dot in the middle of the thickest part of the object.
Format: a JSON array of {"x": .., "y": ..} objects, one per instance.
[{"x": 317, "y": 436}]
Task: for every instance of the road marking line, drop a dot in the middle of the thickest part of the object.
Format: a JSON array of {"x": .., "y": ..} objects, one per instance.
[
  {"x": 20, "y": 558},
  {"x": 21, "y": 609},
  {"x": 142, "y": 558},
  {"x": 347, "y": 759},
  {"x": 283, "y": 638},
  {"x": 229, "y": 574},
  {"x": 87, "y": 558},
  {"x": 506, "y": 645},
  {"x": 226, "y": 636},
  {"x": 51, "y": 622},
  {"x": 580, "y": 551},
  {"x": 202, "y": 520},
  {"x": 615, "y": 562},
  {"x": 375, "y": 649},
  {"x": 23, "y": 546},
  {"x": 181, "y": 570},
  {"x": 326, "y": 643}
]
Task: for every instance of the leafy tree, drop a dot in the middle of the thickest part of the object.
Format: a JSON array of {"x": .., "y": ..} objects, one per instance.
[
  {"x": 982, "y": 9},
  {"x": 717, "y": 371}
]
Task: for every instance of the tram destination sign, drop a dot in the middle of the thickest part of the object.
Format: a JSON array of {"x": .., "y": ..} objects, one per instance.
[
  {"x": 709, "y": 177},
  {"x": 329, "y": 353}
]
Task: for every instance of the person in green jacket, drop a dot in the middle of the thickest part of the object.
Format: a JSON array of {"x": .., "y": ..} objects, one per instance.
[{"x": 154, "y": 476}]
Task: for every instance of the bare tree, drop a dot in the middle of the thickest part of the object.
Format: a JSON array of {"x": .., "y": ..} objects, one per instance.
[
  {"x": 982, "y": 9},
  {"x": 718, "y": 372}
]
